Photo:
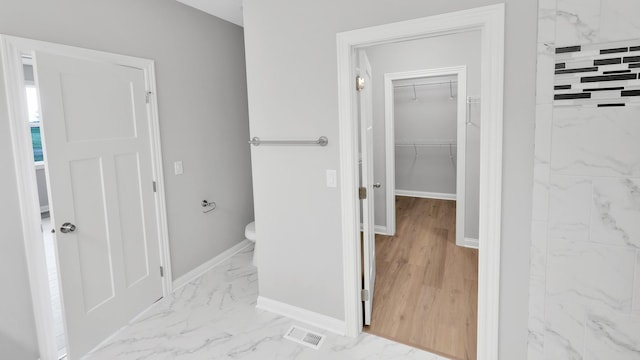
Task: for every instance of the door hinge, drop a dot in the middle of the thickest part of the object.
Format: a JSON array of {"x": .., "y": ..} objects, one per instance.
[
  {"x": 359, "y": 83},
  {"x": 154, "y": 187},
  {"x": 161, "y": 271},
  {"x": 148, "y": 96},
  {"x": 364, "y": 294},
  {"x": 362, "y": 193}
]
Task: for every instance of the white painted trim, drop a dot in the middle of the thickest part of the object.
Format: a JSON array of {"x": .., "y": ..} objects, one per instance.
[
  {"x": 377, "y": 229},
  {"x": 28, "y": 198},
  {"x": 490, "y": 20},
  {"x": 44, "y": 209},
  {"x": 469, "y": 243},
  {"x": 390, "y": 152},
  {"x": 426, "y": 195},
  {"x": 321, "y": 321},
  {"x": 12, "y": 48},
  {"x": 158, "y": 176},
  {"x": 381, "y": 230},
  {"x": 210, "y": 264}
]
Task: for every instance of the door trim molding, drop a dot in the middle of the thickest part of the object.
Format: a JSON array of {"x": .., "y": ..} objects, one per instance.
[
  {"x": 490, "y": 21},
  {"x": 389, "y": 139},
  {"x": 11, "y": 49}
]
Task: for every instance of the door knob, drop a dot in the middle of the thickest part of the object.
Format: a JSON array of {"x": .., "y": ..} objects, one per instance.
[
  {"x": 376, "y": 185},
  {"x": 67, "y": 228}
]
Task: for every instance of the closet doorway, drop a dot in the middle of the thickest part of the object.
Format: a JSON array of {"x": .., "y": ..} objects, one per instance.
[
  {"x": 420, "y": 113},
  {"x": 487, "y": 24},
  {"x": 429, "y": 135}
]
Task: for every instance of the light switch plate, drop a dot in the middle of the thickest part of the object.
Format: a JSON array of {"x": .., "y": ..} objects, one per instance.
[
  {"x": 332, "y": 178},
  {"x": 177, "y": 168}
]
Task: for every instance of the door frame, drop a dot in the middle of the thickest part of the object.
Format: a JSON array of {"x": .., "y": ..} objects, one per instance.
[
  {"x": 389, "y": 138},
  {"x": 12, "y": 48},
  {"x": 490, "y": 21}
]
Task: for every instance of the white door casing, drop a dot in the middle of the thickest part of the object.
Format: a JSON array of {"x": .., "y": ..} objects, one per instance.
[
  {"x": 366, "y": 148},
  {"x": 490, "y": 20},
  {"x": 461, "y": 138},
  {"x": 96, "y": 134}
]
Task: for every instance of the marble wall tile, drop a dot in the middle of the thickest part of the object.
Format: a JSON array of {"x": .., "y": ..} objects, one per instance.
[
  {"x": 537, "y": 290},
  {"x": 581, "y": 276},
  {"x": 590, "y": 274},
  {"x": 564, "y": 329},
  {"x": 547, "y": 21},
  {"x": 619, "y": 20},
  {"x": 615, "y": 211},
  {"x": 569, "y": 207},
  {"x": 540, "y": 206},
  {"x": 544, "y": 124},
  {"x": 587, "y": 192},
  {"x": 636, "y": 286},
  {"x": 577, "y": 22},
  {"x": 612, "y": 335},
  {"x": 596, "y": 141},
  {"x": 538, "y": 250},
  {"x": 542, "y": 153},
  {"x": 544, "y": 73}
]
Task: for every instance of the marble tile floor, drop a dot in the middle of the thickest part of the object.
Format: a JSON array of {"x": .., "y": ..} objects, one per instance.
[{"x": 214, "y": 317}]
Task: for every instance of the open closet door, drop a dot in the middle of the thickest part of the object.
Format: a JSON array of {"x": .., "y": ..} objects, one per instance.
[
  {"x": 98, "y": 160},
  {"x": 366, "y": 148}
]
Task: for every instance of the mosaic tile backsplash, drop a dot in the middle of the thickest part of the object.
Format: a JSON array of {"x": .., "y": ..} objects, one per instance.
[{"x": 598, "y": 75}]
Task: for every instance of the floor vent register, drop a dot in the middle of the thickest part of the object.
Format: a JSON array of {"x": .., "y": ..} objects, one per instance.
[{"x": 305, "y": 337}]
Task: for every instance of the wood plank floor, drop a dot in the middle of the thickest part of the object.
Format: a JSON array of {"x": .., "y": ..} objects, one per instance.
[{"x": 426, "y": 290}]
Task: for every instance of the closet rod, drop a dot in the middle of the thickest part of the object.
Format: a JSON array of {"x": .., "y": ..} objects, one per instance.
[
  {"x": 321, "y": 141},
  {"x": 429, "y": 145}
]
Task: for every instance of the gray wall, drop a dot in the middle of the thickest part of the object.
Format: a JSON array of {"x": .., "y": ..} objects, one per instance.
[
  {"x": 203, "y": 122},
  {"x": 429, "y": 53},
  {"x": 42, "y": 188},
  {"x": 291, "y": 45}
]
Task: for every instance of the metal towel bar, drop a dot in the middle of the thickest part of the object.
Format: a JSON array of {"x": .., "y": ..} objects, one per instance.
[{"x": 322, "y": 141}]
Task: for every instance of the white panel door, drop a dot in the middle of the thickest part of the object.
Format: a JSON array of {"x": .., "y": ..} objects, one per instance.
[
  {"x": 366, "y": 144},
  {"x": 98, "y": 160}
]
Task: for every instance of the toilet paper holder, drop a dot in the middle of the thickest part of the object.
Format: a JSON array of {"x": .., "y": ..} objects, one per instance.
[{"x": 208, "y": 206}]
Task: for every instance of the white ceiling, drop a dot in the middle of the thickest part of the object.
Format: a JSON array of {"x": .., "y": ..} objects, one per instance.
[{"x": 230, "y": 10}]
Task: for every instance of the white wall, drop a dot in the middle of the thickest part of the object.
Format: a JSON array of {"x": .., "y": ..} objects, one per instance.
[
  {"x": 430, "y": 53},
  {"x": 427, "y": 115},
  {"x": 292, "y": 74},
  {"x": 203, "y": 122}
]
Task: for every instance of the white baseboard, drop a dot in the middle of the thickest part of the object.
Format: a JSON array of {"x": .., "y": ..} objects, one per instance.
[
  {"x": 309, "y": 317},
  {"x": 195, "y": 273},
  {"x": 426, "y": 195},
  {"x": 470, "y": 243},
  {"x": 44, "y": 209},
  {"x": 377, "y": 229}
]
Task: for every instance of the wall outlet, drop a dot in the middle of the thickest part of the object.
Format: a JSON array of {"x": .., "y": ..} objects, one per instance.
[{"x": 332, "y": 178}]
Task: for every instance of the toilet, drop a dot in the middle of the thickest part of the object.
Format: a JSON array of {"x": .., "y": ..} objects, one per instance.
[{"x": 250, "y": 234}]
